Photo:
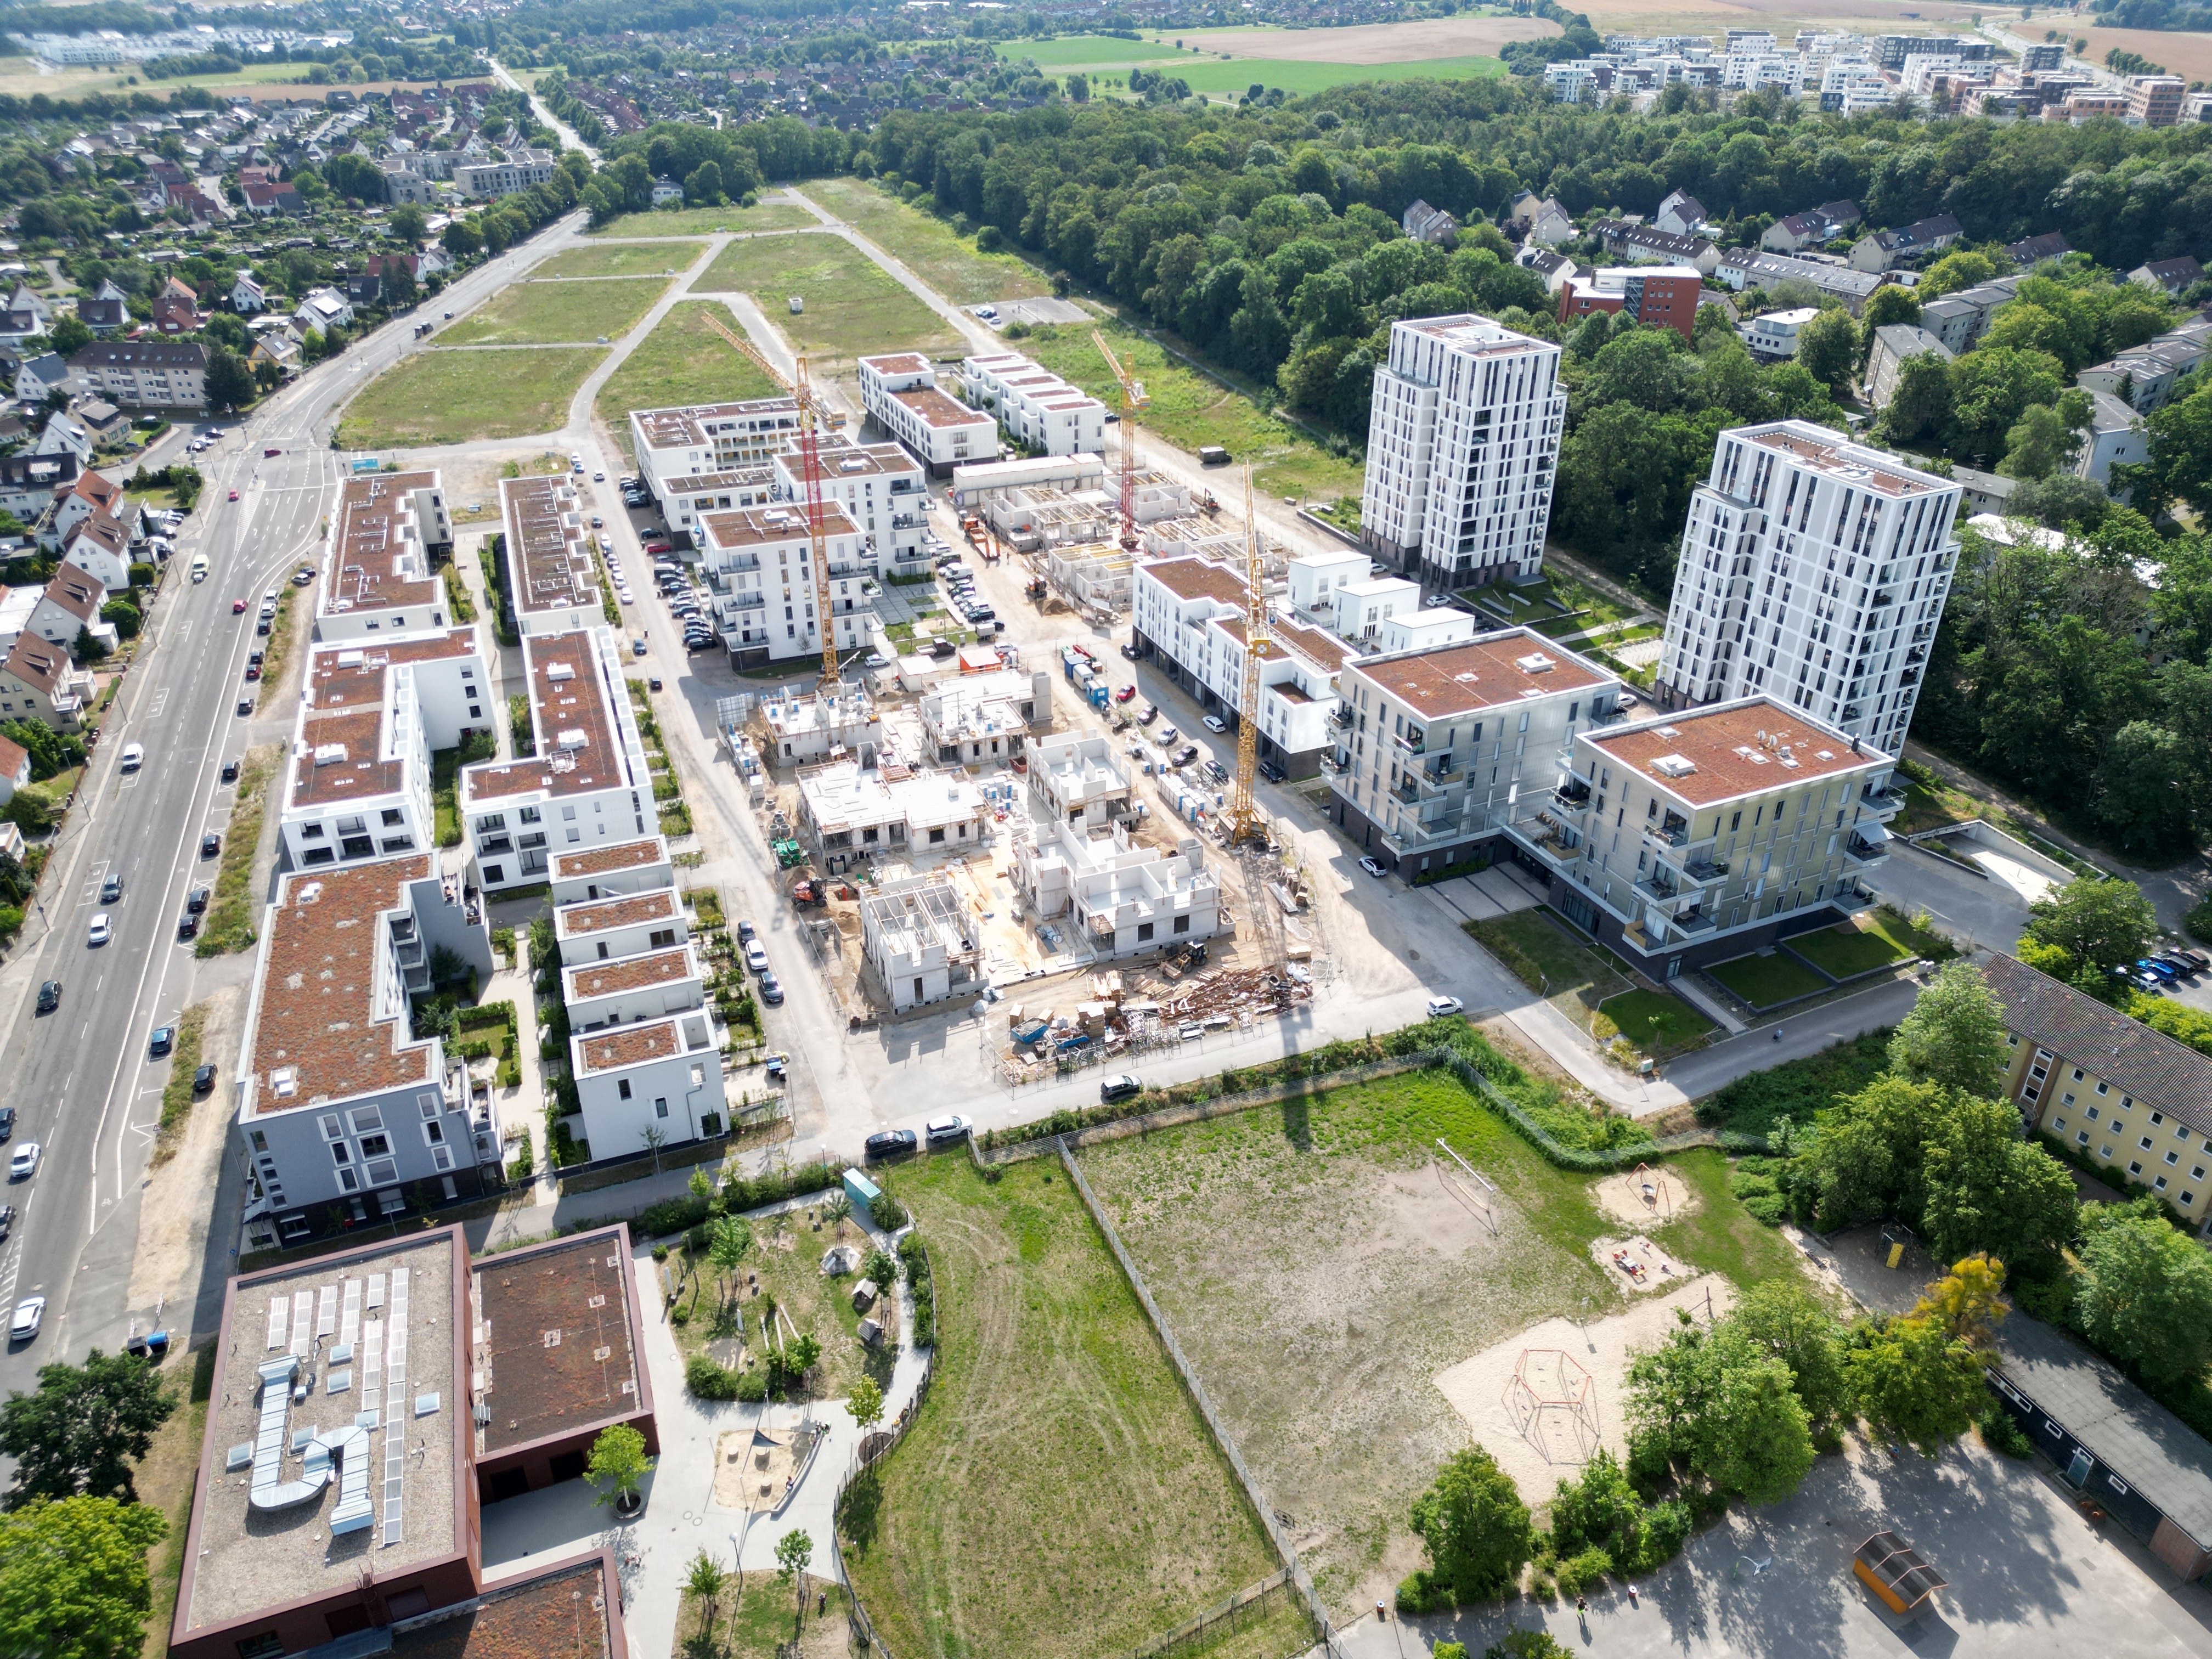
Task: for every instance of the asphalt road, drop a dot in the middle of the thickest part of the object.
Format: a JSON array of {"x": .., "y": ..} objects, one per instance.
[{"x": 81, "y": 1078}]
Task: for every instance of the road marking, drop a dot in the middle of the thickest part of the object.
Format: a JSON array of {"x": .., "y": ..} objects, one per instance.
[{"x": 161, "y": 702}]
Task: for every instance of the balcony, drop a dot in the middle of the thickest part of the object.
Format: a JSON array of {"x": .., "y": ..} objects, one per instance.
[
  {"x": 1703, "y": 872},
  {"x": 1406, "y": 791},
  {"x": 1851, "y": 712},
  {"x": 1880, "y": 599},
  {"x": 1864, "y": 851},
  {"x": 1656, "y": 890},
  {"x": 1918, "y": 654},
  {"x": 1341, "y": 716},
  {"x": 1910, "y": 676},
  {"x": 1441, "y": 771},
  {"x": 1411, "y": 742},
  {"x": 1669, "y": 832},
  {"x": 1884, "y": 798},
  {"x": 1692, "y": 923}
]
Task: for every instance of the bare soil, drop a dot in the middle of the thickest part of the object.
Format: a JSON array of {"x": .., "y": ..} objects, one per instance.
[
  {"x": 1648, "y": 1198},
  {"x": 1637, "y": 1267},
  {"x": 175, "y": 1214}
]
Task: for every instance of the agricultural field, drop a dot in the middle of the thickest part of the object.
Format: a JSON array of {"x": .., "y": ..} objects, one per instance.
[
  {"x": 927, "y": 245},
  {"x": 557, "y": 313},
  {"x": 1325, "y": 1265},
  {"x": 1189, "y": 410},
  {"x": 852, "y": 305},
  {"x": 1057, "y": 1496},
  {"x": 437, "y": 397},
  {"x": 700, "y": 222},
  {"x": 622, "y": 260},
  {"x": 1079, "y": 51},
  {"x": 682, "y": 362}
]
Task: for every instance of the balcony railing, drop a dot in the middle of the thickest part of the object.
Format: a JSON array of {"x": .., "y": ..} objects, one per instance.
[
  {"x": 1670, "y": 832},
  {"x": 1412, "y": 745},
  {"x": 1658, "y": 891},
  {"x": 1860, "y": 851},
  {"x": 1883, "y": 797},
  {"x": 1341, "y": 715},
  {"x": 1703, "y": 871},
  {"x": 1692, "y": 922},
  {"x": 1883, "y": 598},
  {"x": 1407, "y": 790}
]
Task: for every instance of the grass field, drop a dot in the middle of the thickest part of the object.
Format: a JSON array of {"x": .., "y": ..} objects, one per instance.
[
  {"x": 852, "y": 305},
  {"x": 622, "y": 260},
  {"x": 556, "y": 314},
  {"x": 1074, "y": 51},
  {"x": 1057, "y": 1494},
  {"x": 1655, "y": 1021},
  {"x": 682, "y": 362},
  {"x": 927, "y": 245},
  {"x": 1844, "y": 949},
  {"x": 697, "y": 222},
  {"x": 1588, "y": 983},
  {"x": 1797, "y": 1089},
  {"x": 1318, "y": 1241},
  {"x": 435, "y": 397},
  {"x": 1234, "y": 75},
  {"x": 1763, "y": 982},
  {"x": 1190, "y": 410},
  {"x": 786, "y": 1264},
  {"x": 759, "y": 1621}
]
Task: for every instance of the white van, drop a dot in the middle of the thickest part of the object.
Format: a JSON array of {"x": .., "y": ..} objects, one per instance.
[
  {"x": 200, "y": 567},
  {"x": 134, "y": 757}
]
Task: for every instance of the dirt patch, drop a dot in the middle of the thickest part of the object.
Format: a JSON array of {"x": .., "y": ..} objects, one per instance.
[
  {"x": 1637, "y": 1266},
  {"x": 1543, "y": 1401},
  {"x": 754, "y": 1467},
  {"x": 174, "y": 1215},
  {"x": 1645, "y": 1197},
  {"x": 1375, "y": 43}
]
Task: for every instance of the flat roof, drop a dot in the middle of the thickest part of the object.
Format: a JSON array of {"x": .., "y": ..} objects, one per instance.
[
  {"x": 319, "y": 1032},
  {"x": 898, "y": 362},
  {"x": 549, "y": 565},
  {"x": 838, "y": 458},
  {"x": 568, "y": 1612},
  {"x": 1475, "y": 336},
  {"x": 1735, "y": 749},
  {"x": 1320, "y": 646},
  {"x": 1198, "y": 579},
  {"x": 770, "y": 526},
  {"x": 339, "y": 756},
  {"x": 631, "y": 910},
  {"x": 679, "y": 428},
  {"x": 629, "y": 1045},
  {"x": 605, "y": 861},
  {"x": 580, "y": 749},
  {"x": 939, "y": 409},
  {"x": 1468, "y": 676},
  {"x": 638, "y": 973},
  {"x": 397, "y": 1304},
  {"x": 381, "y": 563},
  {"x": 1819, "y": 450},
  {"x": 556, "y": 1347}
]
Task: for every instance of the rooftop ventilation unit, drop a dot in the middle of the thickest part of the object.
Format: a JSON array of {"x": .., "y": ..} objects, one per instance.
[
  {"x": 560, "y": 671},
  {"x": 573, "y": 738},
  {"x": 1673, "y": 766},
  {"x": 329, "y": 754}
]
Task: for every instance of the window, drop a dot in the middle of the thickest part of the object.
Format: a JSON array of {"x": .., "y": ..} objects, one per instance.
[
  {"x": 2187, "y": 1197},
  {"x": 1183, "y": 924},
  {"x": 2058, "y": 1122},
  {"x": 375, "y": 1146},
  {"x": 2104, "y": 1088},
  {"x": 2172, "y": 1158},
  {"x": 367, "y": 1118},
  {"x": 259, "y": 1140},
  {"x": 2093, "y": 1114},
  {"x": 339, "y": 1155},
  {"x": 622, "y": 1088},
  {"x": 311, "y": 832},
  {"x": 393, "y": 815},
  {"x": 2077, "y": 1074},
  {"x": 2067, "y": 1100},
  {"x": 2081, "y": 1137},
  {"x": 659, "y": 1106},
  {"x": 433, "y": 1134},
  {"x": 333, "y": 1127},
  {"x": 2135, "y": 1169},
  {"x": 383, "y": 1173},
  {"x": 2144, "y": 1143},
  {"x": 2157, "y": 1118},
  {"x": 2158, "y": 1185}
]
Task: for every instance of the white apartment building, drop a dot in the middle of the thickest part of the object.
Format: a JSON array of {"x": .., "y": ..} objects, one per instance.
[
  {"x": 1441, "y": 750},
  {"x": 1034, "y": 405},
  {"x": 1774, "y": 333},
  {"x": 1079, "y": 779},
  {"x": 1696, "y": 837},
  {"x": 1123, "y": 899},
  {"x": 338, "y": 1102},
  {"x": 881, "y": 489},
  {"x": 585, "y": 784},
  {"x": 921, "y": 939},
  {"x": 1814, "y": 570},
  {"x": 901, "y": 394},
  {"x": 1461, "y": 451},
  {"x": 553, "y": 583},
  {"x": 377, "y": 578},
  {"x": 145, "y": 373},
  {"x": 759, "y": 562},
  {"x": 675, "y": 446},
  {"x": 1190, "y": 617},
  {"x": 373, "y": 712},
  {"x": 522, "y": 169},
  {"x": 658, "y": 1082},
  {"x": 1315, "y": 579},
  {"x": 974, "y": 719}
]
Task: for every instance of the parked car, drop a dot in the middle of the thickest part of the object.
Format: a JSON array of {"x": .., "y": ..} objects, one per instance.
[
  {"x": 1119, "y": 1088},
  {"x": 2155, "y": 968},
  {"x": 134, "y": 757},
  {"x": 1168, "y": 735},
  {"x": 1151, "y": 712},
  {"x": 1126, "y": 694},
  {"x": 203, "y": 1079},
  {"x": 188, "y": 927},
  {"x": 948, "y": 1131},
  {"x": 1186, "y": 755},
  {"x": 1445, "y": 1007},
  {"x": 1130, "y": 652},
  {"x": 771, "y": 990},
  {"x": 1373, "y": 867},
  {"x": 230, "y": 771},
  {"x": 889, "y": 1143},
  {"x": 747, "y": 932},
  {"x": 1215, "y": 724},
  {"x": 755, "y": 957},
  {"x": 1272, "y": 772},
  {"x": 163, "y": 1040}
]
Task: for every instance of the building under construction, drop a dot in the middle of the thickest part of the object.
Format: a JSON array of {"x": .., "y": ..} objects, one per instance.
[{"x": 920, "y": 940}]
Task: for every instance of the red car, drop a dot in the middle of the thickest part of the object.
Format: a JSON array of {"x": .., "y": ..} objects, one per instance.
[
  {"x": 253, "y": 671},
  {"x": 237, "y": 607},
  {"x": 266, "y": 452},
  {"x": 1125, "y": 693},
  {"x": 234, "y": 494}
]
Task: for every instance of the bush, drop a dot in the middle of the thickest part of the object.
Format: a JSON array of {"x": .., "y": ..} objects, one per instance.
[
  {"x": 1797, "y": 1089},
  {"x": 752, "y": 1388},
  {"x": 887, "y": 1213},
  {"x": 1579, "y": 1572},
  {"x": 2000, "y": 1433},
  {"x": 1420, "y": 1592},
  {"x": 2198, "y": 921},
  {"x": 708, "y": 1381},
  {"x": 671, "y": 1215}
]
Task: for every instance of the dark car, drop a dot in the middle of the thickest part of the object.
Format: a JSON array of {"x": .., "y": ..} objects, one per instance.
[
  {"x": 163, "y": 1040},
  {"x": 245, "y": 707},
  {"x": 188, "y": 926},
  {"x": 771, "y": 990},
  {"x": 230, "y": 771},
  {"x": 1273, "y": 773},
  {"x": 745, "y": 932},
  {"x": 1187, "y": 754},
  {"x": 252, "y": 671},
  {"x": 7, "y": 1121},
  {"x": 196, "y": 900},
  {"x": 203, "y": 1079},
  {"x": 50, "y": 996},
  {"x": 111, "y": 891},
  {"x": 6, "y": 1220},
  {"x": 1217, "y": 771},
  {"x": 1130, "y": 652},
  {"x": 210, "y": 844},
  {"x": 892, "y": 1142}
]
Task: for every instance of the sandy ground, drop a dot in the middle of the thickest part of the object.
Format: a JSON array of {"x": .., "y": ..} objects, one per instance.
[
  {"x": 750, "y": 1467},
  {"x": 1651, "y": 1198},
  {"x": 1481, "y": 1389},
  {"x": 1375, "y": 43},
  {"x": 172, "y": 1235},
  {"x": 1638, "y": 1266}
]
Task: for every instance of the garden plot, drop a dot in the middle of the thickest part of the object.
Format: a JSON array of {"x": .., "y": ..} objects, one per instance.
[
  {"x": 1320, "y": 1270},
  {"x": 1543, "y": 1400}
]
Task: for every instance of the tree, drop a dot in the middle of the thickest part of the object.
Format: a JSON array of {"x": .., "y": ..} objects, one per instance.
[
  {"x": 1915, "y": 1383},
  {"x": 2145, "y": 1296},
  {"x": 865, "y": 1403},
  {"x": 1828, "y": 348},
  {"x": 838, "y": 1210},
  {"x": 728, "y": 1240},
  {"x": 1474, "y": 1525},
  {"x": 86, "y": 649},
  {"x": 1888, "y": 305},
  {"x": 1990, "y": 1190},
  {"x": 1078, "y": 89},
  {"x": 1867, "y": 1162},
  {"x": 1761, "y": 1444},
  {"x": 1919, "y": 406},
  {"x": 1964, "y": 269},
  {"x": 703, "y": 187},
  {"x": 654, "y": 1137},
  {"x": 1783, "y": 1319},
  {"x": 2099, "y": 921},
  {"x": 1967, "y": 1302},
  {"x": 2180, "y": 467},
  {"x": 73, "y": 1578},
  {"x": 396, "y": 285},
  {"x": 706, "y": 1581},
  {"x": 229, "y": 383},
  {"x": 69, "y": 335},
  {"x": 617, "y": 1463},
  {"x": 408, "y": 223},
  {"x": 1954, "y": 1036},
  {"x": 793, "y": 1551},
  {"x": 123, "y": 616},
  {"x": 82, "y": 1429}
]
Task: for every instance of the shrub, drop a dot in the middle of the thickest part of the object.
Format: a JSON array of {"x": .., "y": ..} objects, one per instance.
[
  {"x": 671, "y": 1215},
  {"x": 1578, "y": 1572},
  {"x": 2000, "y": 1433},
  {"x": 752, "y": 1388},
  {"x": 1420, "y": 1592},
  {"x": 1798, "y": 1089},
  {"x": 708, "y": 1381},
  {"x": 887, "y": 1213},
  {"x": 1523, "y": 1644},
  {"x": 2198, "y": 921}
]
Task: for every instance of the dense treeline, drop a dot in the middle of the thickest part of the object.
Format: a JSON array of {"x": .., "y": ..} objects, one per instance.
[
  {"x": 743, "y": 158},
  {"x": 2153, "y": 13}
]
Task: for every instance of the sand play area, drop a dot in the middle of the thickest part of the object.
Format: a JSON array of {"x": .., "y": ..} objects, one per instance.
[
  {"x": 753, "y": 1467},
  {"x": 1645, "y": 1197},
  {"x": 1542, "y": 1402}
]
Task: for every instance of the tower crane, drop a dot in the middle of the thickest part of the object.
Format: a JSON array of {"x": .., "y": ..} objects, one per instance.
[
  {"x": 1243, "y": 816},
  {"x": 813, "y": 420},
  {"x": 1133, "y": 399}
]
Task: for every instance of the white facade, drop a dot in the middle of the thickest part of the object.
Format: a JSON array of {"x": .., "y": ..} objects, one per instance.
[
  {"x": 759, "y": 562},
  {"x": 522, "y": 169},
  {"x": 921, "y": 941},
  {"x": 1123, "y": 899},
  {"x": 1080, "y": 780},
  {"x": 1813, "y": 570},
  {"x": 901, "y": 394},
  {"x": 882, "y": 490},
  {"x": 1774, "y": 333},
  {"x": 713, "y": 448},
  {"x": 1035, "y": 405},
  {"x": 1363, "y": 607},
  {"x": 1315, "y": 579},
  {"x": 656, "y": 1083},
  {"x": 1460, "y": 450}
]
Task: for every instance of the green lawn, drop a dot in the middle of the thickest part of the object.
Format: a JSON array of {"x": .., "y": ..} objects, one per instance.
[
  {"x": 927, "y": 245},
  {"x": 1845, "y": 950},
  {"x": 1058, "y": 1495},
  {"x": 622, "y": 260},
  {"x": 852, "y": 305},
  {"x": 699, "y": 221},
  {"x": 1189, "y": 410},
  {"x": 1074, "y": 51},
  {"x": 762, "y": 1620},
  {"x": 1722, "y": 1236},
  {"x": 1235, "y": 74},
  {"x": 556, "y": 314},
  {"x": 1763, "y": 982},
  {"x": 682, "y": 362},
  {"x": 435, "y": 397},
  {"x": 1655, "y": 1021}
]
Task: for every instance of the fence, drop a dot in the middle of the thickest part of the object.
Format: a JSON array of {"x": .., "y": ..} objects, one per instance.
[
  {"x": 1233, "y": 1611},
  {"x": 871, "y": 1451},
  {"x": 1292, "y": 1567}
]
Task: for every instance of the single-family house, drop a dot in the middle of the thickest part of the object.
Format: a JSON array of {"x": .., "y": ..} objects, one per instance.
[
  {"x": 42, "y": 376},
  {"x": 324, "y": 309},
  {"x": 15, "y": 769},
  {"x": 1681, "y": 214},
  {"x": 2173, "y": 276},
  {"x": 176, "y": 308},
  {"x": 2034, "y": 250},
  {"x": 107, "y": 311},
  {"x": 1424, "y": 223},
  {"x": 101, "y": 547},
  {"x": 1886, "y": 250},
  {"x": 248, "y": 296},
  {"x": 64, "y": 436},
  {"x": 37, "y": 682},
  {"x": 69, "y": 602}
]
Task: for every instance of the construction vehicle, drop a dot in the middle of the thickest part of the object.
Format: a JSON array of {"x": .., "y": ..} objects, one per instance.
[
  {"x": 809, "y": 895},
  {"x": 1133, "y": 399},
  {"x": 814, "y": 419},
  {"x": 1244, "y": 820}
]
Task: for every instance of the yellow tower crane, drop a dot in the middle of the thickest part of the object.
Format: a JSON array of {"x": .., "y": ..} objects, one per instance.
[
  {"x": 813, "y": 421},
  {"x": 1133, "y": 399},
  {"x": 1244, "y": 821}
]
